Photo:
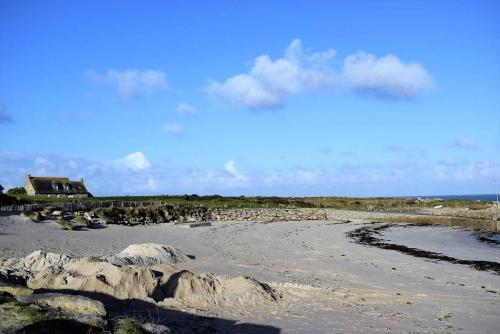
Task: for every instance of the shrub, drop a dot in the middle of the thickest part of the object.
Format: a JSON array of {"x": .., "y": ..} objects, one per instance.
[
  {"x": 16, "y": 191},
  {"x": 34, "y": 216},
  {"x": 7, "y": 200}
]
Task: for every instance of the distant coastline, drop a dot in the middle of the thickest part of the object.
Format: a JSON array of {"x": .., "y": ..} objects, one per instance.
[{"x": 473, "y": 197}]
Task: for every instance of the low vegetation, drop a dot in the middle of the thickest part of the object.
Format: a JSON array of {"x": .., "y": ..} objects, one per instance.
[
  {"x": 66, "y": 225},
  {"x": 8, "y": 200},
  {"x": 27, "y": 313},
  {"x": 129, "y": 326},
  {"x": 81, "y": 220},
  {"x": 217, "y": 201},
  {"x": 16, "y": 191},
  {"x": 34, "y": 216}
]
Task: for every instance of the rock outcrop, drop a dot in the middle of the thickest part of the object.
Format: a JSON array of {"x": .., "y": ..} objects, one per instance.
[
  {"x": 51, "y": 313},
  {"x": 70, "y": 304},
  {"x": 36, "y": 261}
]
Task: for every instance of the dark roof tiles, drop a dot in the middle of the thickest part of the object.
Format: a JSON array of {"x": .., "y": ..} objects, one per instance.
[{"x": 57, "y": 185}]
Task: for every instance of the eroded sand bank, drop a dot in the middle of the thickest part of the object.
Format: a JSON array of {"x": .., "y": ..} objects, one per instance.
[{"x": 329, "y": 283}]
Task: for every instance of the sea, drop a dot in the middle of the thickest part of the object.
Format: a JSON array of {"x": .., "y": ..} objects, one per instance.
[{"x": 475, "y": 197}]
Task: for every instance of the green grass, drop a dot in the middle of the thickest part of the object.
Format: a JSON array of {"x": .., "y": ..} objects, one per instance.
[
  {"x": 28, "y": 313},
  {"x": 215, "y": 201},
  {"x": 129, "y": 326}
]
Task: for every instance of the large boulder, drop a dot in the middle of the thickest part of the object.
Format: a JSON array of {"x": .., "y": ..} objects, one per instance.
[
  {"x": 36, "y": 261},
  {"x": 69, "y": 304},
  {"x": 13, "y": 276},
  {"x": 15, "y": 290},
  {"x": 31, "y": 317}
]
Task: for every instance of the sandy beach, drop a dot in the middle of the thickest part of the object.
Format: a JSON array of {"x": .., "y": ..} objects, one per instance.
[{"x": 330, "y": 284}]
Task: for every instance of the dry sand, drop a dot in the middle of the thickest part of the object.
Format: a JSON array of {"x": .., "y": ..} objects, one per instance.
[{"x": 329, "y": 283}]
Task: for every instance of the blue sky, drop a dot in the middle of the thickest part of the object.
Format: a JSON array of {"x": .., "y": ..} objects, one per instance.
[{"x": 292, "y": 98}]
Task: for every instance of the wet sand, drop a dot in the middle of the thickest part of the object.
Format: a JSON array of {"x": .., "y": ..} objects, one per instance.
[{"x": 331, "y": 283}]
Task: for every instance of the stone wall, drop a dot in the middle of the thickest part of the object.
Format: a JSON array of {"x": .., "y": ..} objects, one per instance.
[{"x": 249, "y": 214}]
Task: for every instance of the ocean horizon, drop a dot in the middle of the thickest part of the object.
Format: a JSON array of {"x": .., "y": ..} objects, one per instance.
[{"x": 470, "y": 197}]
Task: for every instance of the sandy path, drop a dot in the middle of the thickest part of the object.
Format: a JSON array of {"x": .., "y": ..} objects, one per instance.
[{"x": 330, "y": 284}]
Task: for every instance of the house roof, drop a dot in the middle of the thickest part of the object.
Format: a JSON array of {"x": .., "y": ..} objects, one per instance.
[
  {"x": 1, "y": 188},
  {"x": 57, "y": 185}
]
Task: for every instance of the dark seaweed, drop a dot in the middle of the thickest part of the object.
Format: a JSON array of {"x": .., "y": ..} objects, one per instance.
[{"x": 369, "y": 235}]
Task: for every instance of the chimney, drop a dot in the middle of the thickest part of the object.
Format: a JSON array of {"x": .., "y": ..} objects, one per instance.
[{"x": 81, "y": 179}]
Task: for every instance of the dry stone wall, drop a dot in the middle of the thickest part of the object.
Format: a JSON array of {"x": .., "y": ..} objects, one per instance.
[{"x": 267, "y": 214}]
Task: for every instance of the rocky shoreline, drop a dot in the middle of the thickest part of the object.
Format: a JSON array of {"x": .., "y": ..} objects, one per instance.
[{"x": 487, "y": 220}]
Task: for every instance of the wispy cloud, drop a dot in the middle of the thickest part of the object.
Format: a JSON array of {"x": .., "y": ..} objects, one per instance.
[
  {"x": 268, "y": 82},
  {"x": 4, "y": 116},
  {"x": 173, "y": 129},
  {"x": 126, "y": 175},
  {"x": 136, "y": 174},
  {"x": 131, "y": 83},
  {"x": 467, "y": 170},
  {"x": 185, "y": 109},
  {"x": 326, "y": 151},
  {"x": 464, "y": 143},
  {"x": 70, "y": 117},
  {"x": 230, "y": 167}
]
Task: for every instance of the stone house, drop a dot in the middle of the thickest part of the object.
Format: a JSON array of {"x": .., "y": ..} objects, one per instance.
[{"x": 55, "y": 187}]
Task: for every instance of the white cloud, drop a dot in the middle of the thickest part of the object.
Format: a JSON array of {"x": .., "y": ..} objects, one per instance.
[
  {"x": 131, "y": 83},
  {"x": 464, "y": 143},
  {"x": 385, "y": 77},
  {"x": 41, "y": 161},
  {"x": 173, "y": 129},
  {"x": 460, "y": 171},
  {"x": 132, "y": 174},
  {"x": 268, "y": 82},
  {"x": 230, "y": 167},
  {"x": 210, "y": 180},
  {"x": 185, "y": 109},
  {"x": 4, "y": 117},
  {"x": 136, "y": 161},
  {"x": 135, "y": 174}
]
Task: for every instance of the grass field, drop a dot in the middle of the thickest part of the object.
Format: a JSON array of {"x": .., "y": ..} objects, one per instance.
[{"x": 216, "y": 201}]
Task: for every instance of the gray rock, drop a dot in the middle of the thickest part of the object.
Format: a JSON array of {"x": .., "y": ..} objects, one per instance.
[
  {"x": 69, "y": 304},
  {"x": 156, "y": 328},
  {"x": 15, "y": 290}
]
